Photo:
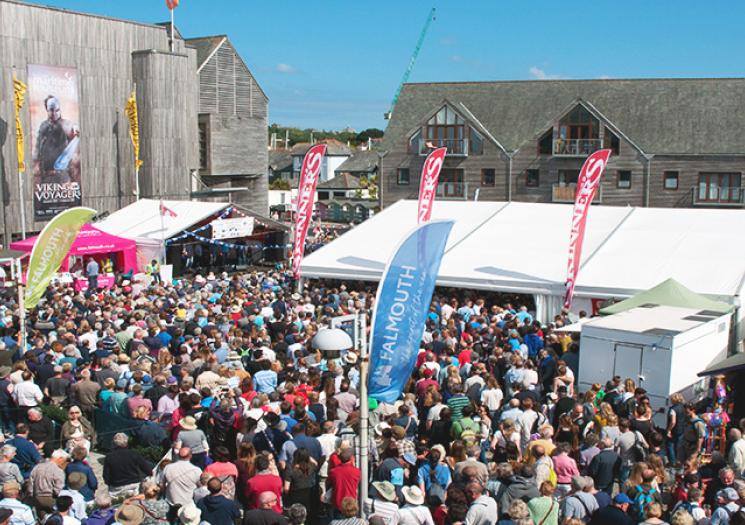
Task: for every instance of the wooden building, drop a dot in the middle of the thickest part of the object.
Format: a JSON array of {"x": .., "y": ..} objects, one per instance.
[
  {"x": 675, "y": 141},
  {"x": 112, "y": 58}
]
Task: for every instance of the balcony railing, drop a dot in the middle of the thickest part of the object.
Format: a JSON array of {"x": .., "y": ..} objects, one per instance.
[
  {"x": 456, "y": 147},
  {"x": 576, "y": 147},
  {"x": 719, "y": 196},
  {"x": 567, "y": 193},
  {"x": 452, "y": 190}
]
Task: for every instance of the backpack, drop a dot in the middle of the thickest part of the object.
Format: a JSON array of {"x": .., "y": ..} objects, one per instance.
[
  {"x": 641, "y": 500},
  {"x": 469, "y": 433},
  {"x": 639, "y": 451},
  {"x": 539, "y": 421}
]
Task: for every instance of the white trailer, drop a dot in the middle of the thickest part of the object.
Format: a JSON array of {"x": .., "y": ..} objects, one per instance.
[{"x": 662, "y": 348}]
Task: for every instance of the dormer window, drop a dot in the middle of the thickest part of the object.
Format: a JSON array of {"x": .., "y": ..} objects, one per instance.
[{"x": 447, "y": 129}]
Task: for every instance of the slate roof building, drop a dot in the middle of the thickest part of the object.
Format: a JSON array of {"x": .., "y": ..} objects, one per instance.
[{"x": 675, "y": 142}]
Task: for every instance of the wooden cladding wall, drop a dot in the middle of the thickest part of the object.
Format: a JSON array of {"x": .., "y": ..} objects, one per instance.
[
  {"x": 227, "y": 87},
  {"x": 101, "y": 49}
]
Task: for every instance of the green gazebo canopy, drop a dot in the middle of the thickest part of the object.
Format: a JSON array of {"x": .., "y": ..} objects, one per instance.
[{"x": 669, "y": 293}]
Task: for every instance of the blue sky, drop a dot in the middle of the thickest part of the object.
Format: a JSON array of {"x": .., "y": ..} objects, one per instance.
[{"x": 330, "y": 63}]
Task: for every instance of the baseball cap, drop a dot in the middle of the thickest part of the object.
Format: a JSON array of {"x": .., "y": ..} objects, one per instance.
[
  {"x": 410, "y": 458},
  {"x": 622, "y": 498},
  {"x": 728, "y": 494}
]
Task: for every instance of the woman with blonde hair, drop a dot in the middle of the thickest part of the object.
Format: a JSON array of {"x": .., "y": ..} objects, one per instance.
[
  {"x": 545, "y": 509},
  {"x": 155, "y": 510},
  {"x": 635, "y": 477}
]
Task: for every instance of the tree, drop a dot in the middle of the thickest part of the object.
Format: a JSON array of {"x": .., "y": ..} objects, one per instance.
[{"x": 372, "y": 133}]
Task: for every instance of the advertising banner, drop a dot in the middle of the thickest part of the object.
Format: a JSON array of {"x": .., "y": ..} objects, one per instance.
[
  {"x": 232, "y": 228},
  {"x": 51, "y": 248},
  {"x": 403, "y": 299},
  {"x": 587, "y": 185},
  {"x": 55, "y": 139},
  {"x": 428, "y": 183},
  {"x": 306, "y": 195}
]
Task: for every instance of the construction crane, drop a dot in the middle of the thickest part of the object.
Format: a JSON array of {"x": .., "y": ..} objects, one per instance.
[{"x": 407, "y": 73}]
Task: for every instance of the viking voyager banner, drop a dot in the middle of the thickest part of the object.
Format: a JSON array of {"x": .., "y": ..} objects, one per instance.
[
  {"x": 306, "y": 194},
  {"x": 50, "y": 249},
  {"x": 587, "y": 185},
  {"x": 55, "y": 139},
  {"x": 428, "y": 183},
  {"x": 402, "y": 304}
]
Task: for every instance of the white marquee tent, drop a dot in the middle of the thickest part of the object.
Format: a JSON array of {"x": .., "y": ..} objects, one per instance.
[{"x": 522, "y": 248}]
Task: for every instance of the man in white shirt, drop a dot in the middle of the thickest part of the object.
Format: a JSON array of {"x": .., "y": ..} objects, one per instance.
[
  {"x": 27, "y": 394},
  {"x": 328, "y": 441},
  {"x": 736, "y": 457}
]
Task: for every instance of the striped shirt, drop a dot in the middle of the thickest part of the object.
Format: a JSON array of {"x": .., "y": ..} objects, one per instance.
[{"x": 456, "y": 404}]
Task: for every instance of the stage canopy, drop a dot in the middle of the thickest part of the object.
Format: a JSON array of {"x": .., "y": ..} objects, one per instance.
[
  {"x": 142, "y": 219},
  {"x": 522, "y": 248},
  {"x": 92, "y": 241}
]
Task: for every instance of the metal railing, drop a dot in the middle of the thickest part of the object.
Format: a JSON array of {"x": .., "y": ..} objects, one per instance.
[
  {"x": 452, "y": 190},
  {"x": 718, "y": 196},
  {"x": 576, "y": 147},
  {"x": 567, "y": 193},
  {"x": 456, "y": 147}
]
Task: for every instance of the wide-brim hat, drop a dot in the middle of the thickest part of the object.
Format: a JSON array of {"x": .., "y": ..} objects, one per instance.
[
  {"x": 351, "y": 358},
  {"x": 5, "y": 371},
  {"x": 190, "y": 515},
  {"x": 386, "y": 489},
  {"x": 413, "y": 495},
  {"x": 130, "y": 515},
  {"x": 234, "y": 356},
  {"x": 188, "y": 423}
]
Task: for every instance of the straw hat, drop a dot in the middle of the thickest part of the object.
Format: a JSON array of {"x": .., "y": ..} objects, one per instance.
[
  {"x": 188, "y": 423},
  {"x": 130, "y": 515},
  {"x": 413, "y": 495}
]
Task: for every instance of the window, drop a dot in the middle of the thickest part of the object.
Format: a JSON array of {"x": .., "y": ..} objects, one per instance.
[
  {"x": 719, "y": 187},
  {"x": 545, "y": 143},
  {"x": 567, "y": 177},
  {"x": 624, "y": 180},
  {"x": 204, "y": 158},
  {"x": 612, "y": 142},
  {"x": 671, "y": 180},
  {"x": 476, "y": 144},
  {"x": 403, "y": 176},
  {"x": 451, "y": 183},
  {"x": 447, "y": 129},
  {"x": 488, "y": 177},
  {"x": 532, "y": 178},
  {"x": 414, "y": 142}
]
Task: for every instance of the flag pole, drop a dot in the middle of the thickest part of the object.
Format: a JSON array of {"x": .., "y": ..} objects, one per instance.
[
  {"x": 171, "y": 44},
  {"x": 137, "y": 164}
]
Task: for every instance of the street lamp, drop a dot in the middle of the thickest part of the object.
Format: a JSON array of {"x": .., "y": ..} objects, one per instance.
[{"x": 331, "y": 342}]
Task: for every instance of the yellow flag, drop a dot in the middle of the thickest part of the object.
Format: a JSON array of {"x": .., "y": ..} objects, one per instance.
[
  {"x": 134, "y": 127},
  {"x": 19, "y": 92}
]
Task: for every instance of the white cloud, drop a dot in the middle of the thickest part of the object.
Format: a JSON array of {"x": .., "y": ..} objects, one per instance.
[
  {"x": 605, "y": 77},
  {"x": 286, "y": 69},
  {"x": 456, "y": 58},
  {"x": 540, "y": 74}
]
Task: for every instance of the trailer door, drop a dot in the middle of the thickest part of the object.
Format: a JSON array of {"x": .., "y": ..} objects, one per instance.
[{"x": 627, "y": 362}]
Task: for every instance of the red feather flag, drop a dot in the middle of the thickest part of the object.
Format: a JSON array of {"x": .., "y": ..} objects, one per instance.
[{"x": 172, "y": 4}]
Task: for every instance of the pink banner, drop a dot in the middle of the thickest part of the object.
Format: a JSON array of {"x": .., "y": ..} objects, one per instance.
[
  {"x": 587, "y": 185},
  {"x": 428, "y": 183},
  {"x": 306, "y": 195}
]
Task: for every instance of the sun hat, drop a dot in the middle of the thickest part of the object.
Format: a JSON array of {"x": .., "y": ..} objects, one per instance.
[
  {"x": 350, "y": 358},
  {"x": 380, "y": 427},
  {"x": 130, "y": 515},
  {"x": 410, "y": 458},
  {"x": 386, "y": 489},
  {"x": 413, "y": 495},
  {"x": 189, "y": 515},
  {"x": 188, "y": 423}
]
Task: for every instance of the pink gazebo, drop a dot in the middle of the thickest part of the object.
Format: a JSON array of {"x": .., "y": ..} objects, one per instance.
[{"x": 92, "y": 242}]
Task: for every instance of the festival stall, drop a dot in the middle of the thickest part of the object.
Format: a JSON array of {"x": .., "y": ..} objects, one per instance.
[
  {"x": 521, "y": 247},
  {"x": 196, "y": 234},
  {"x": 113, "y": 254}
]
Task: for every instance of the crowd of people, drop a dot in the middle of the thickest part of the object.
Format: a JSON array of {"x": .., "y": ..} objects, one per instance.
[{"x": 255, "y": 426}]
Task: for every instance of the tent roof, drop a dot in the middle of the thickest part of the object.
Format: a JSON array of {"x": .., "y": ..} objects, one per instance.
[
  {"x": 669, "y": 293},
  {"x": 731, "y": 364},
  {"x": 89, "y": 240},
  {"x": 626, "y": 250},
  {"x": 142, "y": 220}
]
